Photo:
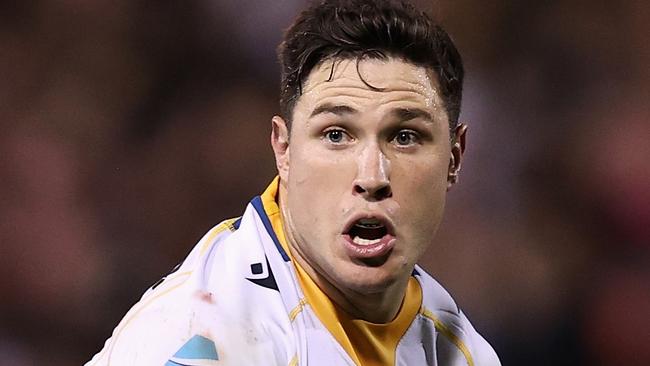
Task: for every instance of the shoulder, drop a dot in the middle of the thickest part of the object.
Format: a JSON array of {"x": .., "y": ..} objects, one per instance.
[
  {"x": 161, "y": 315},
  {"x": 207, "y": 300},
  {"x": 457, "y": 338}
]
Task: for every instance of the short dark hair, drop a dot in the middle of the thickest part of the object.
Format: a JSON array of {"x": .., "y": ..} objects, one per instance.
[{"x": 333, "y": 29}]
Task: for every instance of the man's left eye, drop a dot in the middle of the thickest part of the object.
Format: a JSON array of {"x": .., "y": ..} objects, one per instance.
[{"x": 406, "y": 137}]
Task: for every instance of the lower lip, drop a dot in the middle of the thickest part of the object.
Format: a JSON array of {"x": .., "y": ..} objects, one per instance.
[{"x": 376, "y": 250}]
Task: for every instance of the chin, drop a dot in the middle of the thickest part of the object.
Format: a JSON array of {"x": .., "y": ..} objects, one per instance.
[{"x": 369, "y": 280}]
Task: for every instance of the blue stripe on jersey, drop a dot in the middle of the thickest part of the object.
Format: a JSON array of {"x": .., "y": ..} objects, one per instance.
[
  {"x": 197, "y": 350},
  {"x": 259, "y": 207}
]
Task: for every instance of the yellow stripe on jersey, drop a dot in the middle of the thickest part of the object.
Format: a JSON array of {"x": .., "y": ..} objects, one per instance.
[
  {"x": 223, "y": 226},
  {"x": 366, "y": 343},
  {"x": 295, "y": 311},
  {"x": 453, "y": 338},
  {"x": 294, "y": 361}
]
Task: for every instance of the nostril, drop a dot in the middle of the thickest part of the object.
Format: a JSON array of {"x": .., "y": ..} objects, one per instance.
[
  {"x": 384, "y": 192},
  {"x": 379, "y": 193}
]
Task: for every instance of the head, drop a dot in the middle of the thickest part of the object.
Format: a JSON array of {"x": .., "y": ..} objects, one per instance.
[{"x": 368, "y": 140}]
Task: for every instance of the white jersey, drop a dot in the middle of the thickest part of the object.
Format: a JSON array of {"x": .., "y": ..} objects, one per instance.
[{"x": 235, "y": 300}]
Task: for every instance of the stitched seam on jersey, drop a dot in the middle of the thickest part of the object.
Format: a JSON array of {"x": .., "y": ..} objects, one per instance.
[
  {"x": 223, "y": 226},
  {"x": 119, "y": 332},
  {"x": 443, "y": 329},
  {"x": 298, "y": 309},
  {"x": 294, "y": 361}
]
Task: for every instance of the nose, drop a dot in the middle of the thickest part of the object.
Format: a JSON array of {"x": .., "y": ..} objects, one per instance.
[{"x": 373, "y": 175}]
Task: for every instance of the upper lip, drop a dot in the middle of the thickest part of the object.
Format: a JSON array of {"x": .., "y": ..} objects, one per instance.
[{"x": 390, "y": 228}]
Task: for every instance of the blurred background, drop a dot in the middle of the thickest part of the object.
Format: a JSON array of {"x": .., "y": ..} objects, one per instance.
[{"x": 129, "y": 128}]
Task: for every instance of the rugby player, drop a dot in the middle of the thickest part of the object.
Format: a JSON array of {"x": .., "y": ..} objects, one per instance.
[{"x": 321, "y": 268}]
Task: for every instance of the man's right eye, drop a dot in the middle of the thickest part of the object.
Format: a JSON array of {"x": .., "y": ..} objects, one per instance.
[{"x": 335, "y": 136}]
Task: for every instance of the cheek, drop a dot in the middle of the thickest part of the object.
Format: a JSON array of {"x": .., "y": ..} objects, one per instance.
[
  {"x": 426, "y": 209},
  {"x": 314, "y": 170},
  {"x": 420, "y": 188},
  {"x": 423, "y": 177},
  {"x": 317, "y": 186}
]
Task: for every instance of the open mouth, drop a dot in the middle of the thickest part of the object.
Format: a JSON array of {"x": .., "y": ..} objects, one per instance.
[
  {"x": 369, "y": 240},
  {"x": 367, "y": 231}
]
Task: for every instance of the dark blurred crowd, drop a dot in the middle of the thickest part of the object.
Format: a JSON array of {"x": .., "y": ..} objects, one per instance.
[{"x": 129, "y": 128}]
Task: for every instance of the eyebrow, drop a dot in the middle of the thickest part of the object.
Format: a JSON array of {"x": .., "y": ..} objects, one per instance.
[
  {"x": 402, "y": 114},
  {"x": 339, "y": 110},
  {"x": 407, "y": 114}
]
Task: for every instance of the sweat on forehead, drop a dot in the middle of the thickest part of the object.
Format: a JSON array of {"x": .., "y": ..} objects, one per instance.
[{"x": 351, "y": 79}]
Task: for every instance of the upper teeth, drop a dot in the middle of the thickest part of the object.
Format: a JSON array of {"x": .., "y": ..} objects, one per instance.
[{"x": 370, "y": 223}]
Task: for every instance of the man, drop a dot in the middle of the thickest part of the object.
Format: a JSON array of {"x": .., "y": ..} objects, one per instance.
[{"x": 321, "y": 268}]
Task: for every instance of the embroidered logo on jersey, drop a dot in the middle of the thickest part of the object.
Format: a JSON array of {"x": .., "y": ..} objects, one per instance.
[
  {"x": 198, "y": 351},
  {"x": 261, "y": 277}
]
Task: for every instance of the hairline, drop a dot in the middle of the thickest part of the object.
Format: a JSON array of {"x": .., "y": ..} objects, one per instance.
[{"x": 373, "y": 54}]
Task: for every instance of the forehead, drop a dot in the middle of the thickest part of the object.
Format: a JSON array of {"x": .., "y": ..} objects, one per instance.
[{"x": 392, "y": 81}]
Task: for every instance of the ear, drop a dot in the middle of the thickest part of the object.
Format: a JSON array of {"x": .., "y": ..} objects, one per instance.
[
  {"x": 280, "y": 144},
  {"x": 457, "y": 151}
]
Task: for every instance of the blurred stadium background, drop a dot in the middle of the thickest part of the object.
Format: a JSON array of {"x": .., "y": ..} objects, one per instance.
[{"x": 129, "y": 128}]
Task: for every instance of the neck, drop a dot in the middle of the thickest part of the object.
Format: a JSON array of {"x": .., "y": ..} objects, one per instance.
[{"x": 381, "y": 307}]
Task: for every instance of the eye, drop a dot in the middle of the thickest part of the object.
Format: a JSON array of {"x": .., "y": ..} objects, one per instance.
[
  {"x": 335, "y": 136},
  {"x": 406, "y": 138}
]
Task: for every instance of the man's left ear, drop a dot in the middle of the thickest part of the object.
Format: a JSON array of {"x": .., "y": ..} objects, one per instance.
[{"x": 456, "y": 154}]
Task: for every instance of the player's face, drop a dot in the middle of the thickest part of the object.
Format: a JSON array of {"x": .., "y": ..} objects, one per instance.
[{"x": 364, "y": 171}]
